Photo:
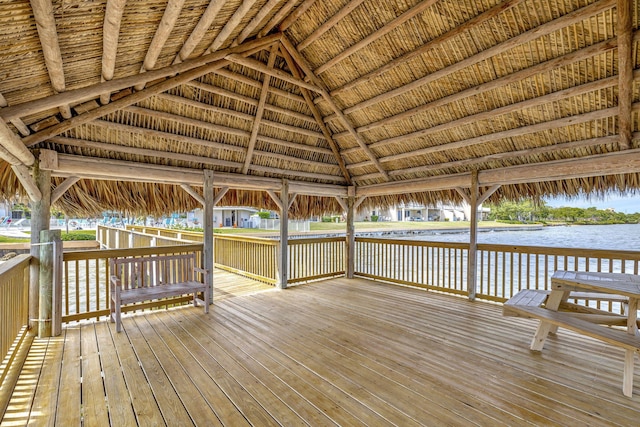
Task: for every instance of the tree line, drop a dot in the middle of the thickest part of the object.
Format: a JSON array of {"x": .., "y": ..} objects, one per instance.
[{"x": 527, "y": 211}]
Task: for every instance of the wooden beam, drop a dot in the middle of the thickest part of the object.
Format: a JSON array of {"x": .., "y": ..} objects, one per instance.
[
  {"x": 485, "y": 115},
  {"x": 193, "y": 193},
  {"x": 625, "y": 71},
  {"x": 10, "y": 142},
  {"x": 59, "y": 191},
  {"x": 169, "y": 19},
  {"x": 80, "y": 95},
  {"x": 292, "y": 199},
  {"x": 524, "y": 130},
  {"x": 122, "y": 102},
  {"x": 328, "y": 24},
  {"x": 358, "y": 201},
  {"x": 220, "y": 194},
  {"x": 259, "y": 111},
  {"x": 487, "y": 193},
  {"x": 18, "y": 123},
  {"x": 258, "y": 84},
  {"x": 290, "y": 173},
  {"x": 110, "y": 36},
  {"x": 472, "y": 266},
  {"x": 28, "y": 182},
  {"x": 275, "y": 199},
  {"x": 89, "y": 167},
  {"x": 435, "y": 183},
  {"x": 302, "y": 63},
  {"x": 387, "y": 28},
  {"x": 279, "y": 16},
  {"x": 46, "y": 26},
  {"x": 259, "y": 66},
  {"x": 293, "y": 16},
  {"x": 230, "y": 26},
  {"x": 201, "y": 29},
  {"x": 342, "y": 203},
  {"x": 429, "y": 45},
  {"x": 526, "y": 37},
  {"x": 350, "y": 238},
  {"x": 318, "y": 116},
  {"x": 256, "y": 21},
  {"x": 283, "y": 253}
]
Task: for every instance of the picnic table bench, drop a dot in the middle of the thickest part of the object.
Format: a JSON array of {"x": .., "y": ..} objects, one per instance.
[
  {"x": 153, "y": 277},
  {"x": 553, "y": 310}
]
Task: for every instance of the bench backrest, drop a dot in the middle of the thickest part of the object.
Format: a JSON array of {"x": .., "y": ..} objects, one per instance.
[{"x": 156, "y": 270}]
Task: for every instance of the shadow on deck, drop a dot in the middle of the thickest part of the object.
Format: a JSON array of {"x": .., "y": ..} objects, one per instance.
[{"x": 346, "y": 352}]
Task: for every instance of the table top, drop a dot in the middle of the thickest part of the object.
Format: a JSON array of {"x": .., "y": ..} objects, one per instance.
[{"x": 618, "y": 283}]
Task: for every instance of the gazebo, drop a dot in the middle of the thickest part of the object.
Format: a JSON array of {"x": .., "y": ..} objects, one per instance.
[{"x": 307, "y": 106}]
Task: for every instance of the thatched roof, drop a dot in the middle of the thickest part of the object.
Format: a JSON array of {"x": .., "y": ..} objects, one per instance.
[{"x": 403, "y": 100}]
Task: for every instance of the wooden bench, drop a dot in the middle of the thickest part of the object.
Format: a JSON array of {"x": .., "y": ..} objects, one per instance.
[{"x": 146, "y": 278}]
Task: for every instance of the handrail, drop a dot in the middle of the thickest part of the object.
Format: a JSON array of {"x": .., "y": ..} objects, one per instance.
[{"x": 14, "y": 317}]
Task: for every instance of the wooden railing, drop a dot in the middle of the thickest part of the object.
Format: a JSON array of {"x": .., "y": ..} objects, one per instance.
[
  {"x": 249, "y": 256},
  {"x": 120, "y": 238},
  {"x": 85, "y": 292},
  {"x": 503, "y": 270},
  {"x": 192, "y": 236},
  {"x": 14, "y": 309},
  {"x": 312, "y": 259}
]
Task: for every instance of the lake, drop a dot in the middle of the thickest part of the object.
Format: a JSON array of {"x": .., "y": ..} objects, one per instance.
[{"x": 616, "y": 237}]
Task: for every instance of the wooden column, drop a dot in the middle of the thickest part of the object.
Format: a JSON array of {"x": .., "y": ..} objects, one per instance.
[
  {"x": 625, "y": 72},
  {"x": 50, "y": 278},
  {"x": 473, "y": 237},
  {"x": 40, "y": 213},
  {"x": 207, "y": 224},
  {"x": 350, "y": 242},
  {"x": 283, "y": 255}
]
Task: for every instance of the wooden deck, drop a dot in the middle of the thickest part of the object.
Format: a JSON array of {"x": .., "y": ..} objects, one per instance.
[{"x": 336, "y": 352}]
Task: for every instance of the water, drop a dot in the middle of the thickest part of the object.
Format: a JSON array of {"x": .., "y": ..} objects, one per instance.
[{"x": 614, "y": 237}]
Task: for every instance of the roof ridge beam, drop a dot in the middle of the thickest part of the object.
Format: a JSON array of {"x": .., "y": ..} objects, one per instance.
[
  {"x": 259, "y": 111},
  {"x": 302, "y": 63},
  {"x": 534, "y": 33},
  {"x": 385, "y": 29},
  {"x": 90, "y": 92},
  {"x": 46, "y": 26},
  {"x": 335, "y": 148}
]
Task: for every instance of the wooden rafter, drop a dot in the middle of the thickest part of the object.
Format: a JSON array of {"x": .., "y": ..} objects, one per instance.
[
  {"x": 83, "y": 94},
  {"x": 230, "y": 26},
  {"x": 258, "y": 84},
  {"x": 126, "y": 101},
  {"x": 12, "y": 145},
  {"x": 110, "y": 36},
  {"x": 277, "y": 18},
  {"x": 625, "y": 71},
  {"x": 193, "y": 193},
  {"x": 259, "y": 111},
  {"x": 546, "y": 66},
  {"x": 326, "y": 26},
  {"x": 27, "y": 181},
  {"x": 526, "y": 37},
  {"x": 430, "y": 45},
  {"x": 318, "y": 116},
  {"x": 169, "y": 19},
  {"x": 59, "y": 191},
  {"x": 387, "y": 28},
  {"x": 46, "y": 25},
  {"x": 293, "y": 16},
  {"x": 201, "y": 29},
  {"x": 301, "y": 62},
  {"x": 507, "y": 109},
  {"x": 18, "y": 123},
  {"x": 256, "y": 21}
]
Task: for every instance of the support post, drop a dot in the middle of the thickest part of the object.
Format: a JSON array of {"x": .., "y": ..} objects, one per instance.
[
  {"x": 50, "y": 316},
  {"x": 40, "y": 213},
  {"x": 207, "y": 223},
  {"x": 350, "y": 243},
  {"x": 283, "y": 255},
  {"x": 473, "y": 237}
]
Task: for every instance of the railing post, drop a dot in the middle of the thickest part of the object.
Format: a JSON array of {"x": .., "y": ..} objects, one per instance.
[{"x": 350, "y": 241}]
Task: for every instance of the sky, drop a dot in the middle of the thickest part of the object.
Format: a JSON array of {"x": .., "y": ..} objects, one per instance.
[{"x": 624, "y": 204}]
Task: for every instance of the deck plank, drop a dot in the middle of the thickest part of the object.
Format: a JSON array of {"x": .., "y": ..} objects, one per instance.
[
  {"x": 335, "y": 352},
  {"x": 94, "y": 402},
  {"x": 46, "y": 397}
]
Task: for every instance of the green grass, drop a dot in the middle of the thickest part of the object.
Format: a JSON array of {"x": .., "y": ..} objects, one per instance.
[{"x": 72, "y": 235}]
